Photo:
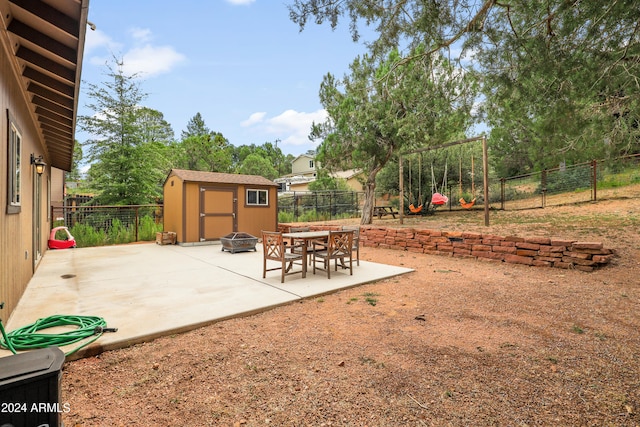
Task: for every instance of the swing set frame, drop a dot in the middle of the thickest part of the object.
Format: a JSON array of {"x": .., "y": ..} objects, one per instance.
[{"x": 485, "y": 171}]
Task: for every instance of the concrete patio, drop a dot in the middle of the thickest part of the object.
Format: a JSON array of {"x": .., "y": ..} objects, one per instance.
[{"x": 148, "y": 290}]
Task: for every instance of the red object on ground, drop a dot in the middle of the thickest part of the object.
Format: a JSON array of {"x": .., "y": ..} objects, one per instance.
[
  {"x": 68, "y": 242},
  {"x": 439, "y": 199}
]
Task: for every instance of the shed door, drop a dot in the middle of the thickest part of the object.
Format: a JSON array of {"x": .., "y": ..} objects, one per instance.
[{"x": 218, "y": 212}]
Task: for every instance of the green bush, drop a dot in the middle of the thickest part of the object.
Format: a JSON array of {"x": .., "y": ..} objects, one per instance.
[
  {"x": 119, "y": 234},
  {"x": 148, "y": 228},
  {"x": 284, "y": 216},
  {"x": 87, "y": 236}
]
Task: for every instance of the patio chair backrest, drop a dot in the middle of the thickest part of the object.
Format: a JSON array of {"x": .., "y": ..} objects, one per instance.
[
  {"x": 273, "y": 245},
  {"x": 340, "y": 243}
]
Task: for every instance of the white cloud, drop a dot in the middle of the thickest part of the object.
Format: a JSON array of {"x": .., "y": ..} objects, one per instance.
[
  {"x": 240, "y": 2},
  {"x": 98, "y": 39},
  {"x": 291, "y": 127},
  {"x": 150, "y": 60},
  {"x": 253, "y": 119},
  {"x": 141, "y": 34},
  {"x": 144, "y": 58}
]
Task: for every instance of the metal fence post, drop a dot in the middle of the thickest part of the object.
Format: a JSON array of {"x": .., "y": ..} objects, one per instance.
[
  {"x": 594, "y": 182},
  {"x": 137, "y": 222},
  {"x": 543, "y": 185}
]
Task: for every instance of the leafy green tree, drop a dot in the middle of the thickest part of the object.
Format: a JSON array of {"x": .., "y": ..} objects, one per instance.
[
  {"x": 255, "y": 164},
  {"x": 382, "y": 110},
  {"x": 124, "y": 165},
  {"x": 325, "y": 182},
  {"x": 196, "y": 127},
  {"x": 559, "y": 78},
  {"x": 268, "y": 150},
  {"x": 202, "y": 149},
  {"x": 153, "y": 126},
  {"x": 74, "y": 173}
]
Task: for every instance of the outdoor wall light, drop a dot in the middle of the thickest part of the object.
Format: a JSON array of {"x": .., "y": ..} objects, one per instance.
[{"x": 39, "y": 163}]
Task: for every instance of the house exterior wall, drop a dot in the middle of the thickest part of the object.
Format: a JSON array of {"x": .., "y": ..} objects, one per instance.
[
  {"x": 57, "y": 187},
  {"x": 301, "y": 166},
  {"x": 354, "y": 184},
  {"x": 303, "y": 186},
  {"x": 17, "y": 262}
]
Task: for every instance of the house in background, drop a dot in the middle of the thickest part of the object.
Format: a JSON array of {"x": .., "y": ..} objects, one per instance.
[
  {"x": 304, "y": 169},
  {"x": 41, "y": 48},
  {"x": 305, "y": 165}
]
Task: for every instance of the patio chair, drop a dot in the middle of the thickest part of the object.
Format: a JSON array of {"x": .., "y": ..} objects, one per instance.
[
  {"x": 356, "y": 240},
  {"x": 339, "y": 246},
  {"x": 275, "y": 249}
]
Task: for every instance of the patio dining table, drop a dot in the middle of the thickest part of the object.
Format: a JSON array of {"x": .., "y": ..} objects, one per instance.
[{"x": 306, "y": 237}]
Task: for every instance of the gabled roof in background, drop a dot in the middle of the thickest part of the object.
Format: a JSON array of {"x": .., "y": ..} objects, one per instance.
[
  {"x": 308, "y": 156},
  {"x": 220, "y": 178},
  {"x": 45, "y": 39},
  {"x": 348, "y": 174}
]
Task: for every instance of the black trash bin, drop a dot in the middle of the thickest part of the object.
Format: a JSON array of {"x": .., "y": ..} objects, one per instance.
[{"x": 30, "y": 388}]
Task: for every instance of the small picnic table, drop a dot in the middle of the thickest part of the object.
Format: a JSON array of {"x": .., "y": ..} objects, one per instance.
[{"x": 381, "y": 211}]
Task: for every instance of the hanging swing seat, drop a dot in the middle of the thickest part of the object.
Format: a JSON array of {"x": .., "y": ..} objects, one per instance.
[
  {"x": 415, "y": 209},
  {"x": 439, "y": 199},
  {"x": 467, "y": 205}
]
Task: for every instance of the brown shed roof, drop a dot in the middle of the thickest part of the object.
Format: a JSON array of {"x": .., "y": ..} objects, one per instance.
[{"x": 220, "y": 178}]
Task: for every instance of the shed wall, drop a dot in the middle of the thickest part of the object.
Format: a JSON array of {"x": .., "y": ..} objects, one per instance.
[
  {"x": 191, "y": 213},
  {"x": 255, "y": 219},
  {"x": 173, "y": 208}
]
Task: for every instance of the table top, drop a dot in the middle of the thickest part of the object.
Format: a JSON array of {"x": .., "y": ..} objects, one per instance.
[{"x": 306, "y": 234}]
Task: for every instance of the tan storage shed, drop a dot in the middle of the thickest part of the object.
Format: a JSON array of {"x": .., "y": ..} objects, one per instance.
[{"x": 205, "y": 206}]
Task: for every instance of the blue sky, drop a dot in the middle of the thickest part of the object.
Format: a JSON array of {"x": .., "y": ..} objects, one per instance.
[{"x": 242, "y": 64}]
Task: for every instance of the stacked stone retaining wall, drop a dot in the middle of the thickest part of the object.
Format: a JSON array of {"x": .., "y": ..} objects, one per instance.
[{"x": 533, "y": 251}]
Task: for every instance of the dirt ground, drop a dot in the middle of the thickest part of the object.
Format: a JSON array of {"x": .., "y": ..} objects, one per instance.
[{"x": 456, "y": 343}]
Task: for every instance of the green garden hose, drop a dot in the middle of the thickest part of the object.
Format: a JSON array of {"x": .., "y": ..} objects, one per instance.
[{"x": 88, "y": 328}]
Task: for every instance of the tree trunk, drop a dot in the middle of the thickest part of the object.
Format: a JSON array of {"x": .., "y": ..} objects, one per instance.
[{"x": 369, "y": 199}]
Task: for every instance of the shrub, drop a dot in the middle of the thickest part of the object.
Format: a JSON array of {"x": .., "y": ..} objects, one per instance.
[{"x": 87, "y": 236}]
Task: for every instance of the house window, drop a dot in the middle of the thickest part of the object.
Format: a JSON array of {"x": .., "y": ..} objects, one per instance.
[
  {"x": 257, "y": 197},
  {"x": 13, "y": 167},
  {"x": 310, "y": 164}
]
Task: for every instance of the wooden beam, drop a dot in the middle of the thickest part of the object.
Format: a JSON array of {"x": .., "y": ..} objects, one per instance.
[
  {"x": 55, "y": 117},
  {"x": 50, "y": 14},
  {"x": 48, "y": 81},
  {"x": 26, "y": 32},
  {"x": 44, "y": 63},
  {"x": 52, "y": 106},
  {"x": 448, "y": 144},
  {"x": 53, "y": 123},
  {"x": 58, "y": 143},
  {"x": 54, "y": 131},
  {"x": 49, "y": 95}
]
